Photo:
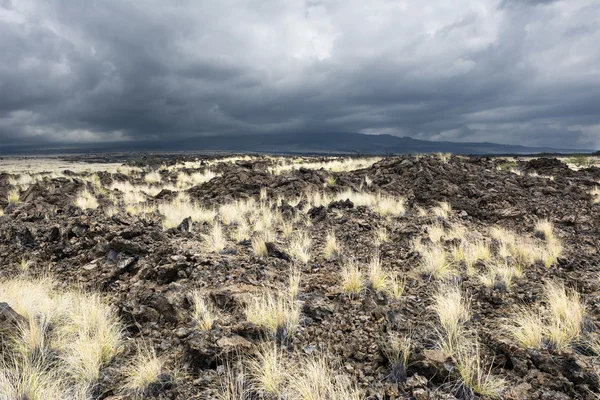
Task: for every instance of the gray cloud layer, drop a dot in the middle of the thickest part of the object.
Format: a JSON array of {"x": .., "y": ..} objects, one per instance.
[{"x": 508, "y": 71}]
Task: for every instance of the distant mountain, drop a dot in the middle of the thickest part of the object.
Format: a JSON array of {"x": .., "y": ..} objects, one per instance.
[{"x": 298, "y": 143}]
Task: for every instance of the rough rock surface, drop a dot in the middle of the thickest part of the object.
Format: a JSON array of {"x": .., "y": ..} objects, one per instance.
[{"x": 147, "y": 272}]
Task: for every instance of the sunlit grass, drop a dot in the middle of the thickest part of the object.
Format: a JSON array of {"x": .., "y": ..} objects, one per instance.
[
  {"x": 215, "y": 240},
  {"x": 352, "y": 279},
  {"x": 143, "y": 369},
  {"x": 86, "y": 200},
  {"x": 332, "y": 248},
  {"x": 453, "y": 311},
  {"x": 13, "y": 196},
  {"x": 378, "y": 278},
  {"x": 273, "y": 311},
  {"x": 300, "y": 247},
  {"x": 203, "y": 312}
]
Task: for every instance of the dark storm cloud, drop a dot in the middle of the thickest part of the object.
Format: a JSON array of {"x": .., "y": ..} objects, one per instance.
[{"x": 505, "y": 71}]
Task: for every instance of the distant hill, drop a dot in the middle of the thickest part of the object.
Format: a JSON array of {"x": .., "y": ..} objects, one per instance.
[{"x": 299, "y": 143}]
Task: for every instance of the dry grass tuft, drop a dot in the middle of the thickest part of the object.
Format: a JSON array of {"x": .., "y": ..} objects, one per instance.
[
  {"x": 453, "y": 310},
  {"x": 442, "y": 210},
  {"x": 294, "y": 283},
  {"x": 378, "y": 278},
  {"x": 268, "y": 372},
  {"x": 13, "y": 196},
  {"x": 352, "y": 279},
  {"x": 299, "y": 247},
  {"x": 242, "y": 231},
  {"x": 203, "y": 312},
  {"x": 80, "y": 330},
  {"x": 234, "y": 213},
  {"x": 314, "y": 379},
  {"x": 215, "y": 240},
  {"x": 396, "y": 287},
  {"x": 434, "y": 262},
  {"x": 153, "y": 177},
  {"x": 259, "y": 246},
  {"x": 381, "y": 236},
  {"x": 475, "y": 378},
  {"x": 180, "y": 208},
  {"x": 500, "y": 275},
  {"x": 566, "y": 315},
  {"x": 24, "y": 378},
  {"x": 552, "y": 252},
  {"x": 557, "y": 327},
  {"x": 386, "y": 206},
  {"x": 332, "y": 248},
  {"x": 435, "y": 232},
  {"x": 25, "y": 264},
  {"x": 396, "y": 349},
  {"x": 526, "y": 327},
  {"x": 86, "y": 200},
  {"x": 185, "y": 181},
  {"x": 142, "y": 370},
  {"x": 276, "y": 312},
  {"x": 390, "y": 206},
  {"x": 544, "y": 229}
]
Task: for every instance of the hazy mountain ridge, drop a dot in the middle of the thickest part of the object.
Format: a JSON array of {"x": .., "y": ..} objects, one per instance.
[{"x": 329, "y": 143}]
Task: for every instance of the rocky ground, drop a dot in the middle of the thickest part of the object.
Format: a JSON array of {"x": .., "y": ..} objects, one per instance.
[{"x": 148, "y": 272}]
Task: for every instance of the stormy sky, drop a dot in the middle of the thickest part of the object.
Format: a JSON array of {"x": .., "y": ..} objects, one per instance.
[{"x": 508, "y": 71}]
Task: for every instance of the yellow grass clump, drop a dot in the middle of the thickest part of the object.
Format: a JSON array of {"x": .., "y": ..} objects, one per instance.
[
  {"x": 442, "y": 210},
  {"x": 352, "y": 279},
  {"x": 274, "y": 312},
  {"x": 334, "y": 165},
  {"x": 378, "y": 278},
  {"x": 144, "y": 369},
  {"x": 85, "y": 335},
  {"x": 566, "y": 315},
  {"x": 215, "y": 240},
  {"x": 558, "y": 326},
  {"x": 153, "y": 177},
  {"x": 180, "y": 208},
  {"x": 235, "y": 212},
  {"x": 203, "y": 312},
  {"x": 434, "y": 262},
  {"x": 476, "y": 379},
  {"x": 86, "y": 200},
  {"x": 500, "y": 274},
  {"x": 390, "y": 206},
  {"x": 435, "y": 232},
  {"x": 314, "y": 379},
  {"x": 453, "y": 310},
  {"x": 386, "y": 206},
  {"x": 186, "y": 181},
  {"x": 332, "y": 248},
  {"x": 259, "y": 246},
  {"x": 242, "y": 231},
  {"x": 396, "y": 287},
  {"x": 13, "y": 196},
  {"x": 544, "y": 229},
  {"x": 294, "y": 283},
  {"x": 300, "y": 246},
  {"x": 381, "y": 235},
  {"x": 268, "y": 371},
  {"x": 526, "y": 327},
  {"x": 396, "y": 349}
]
